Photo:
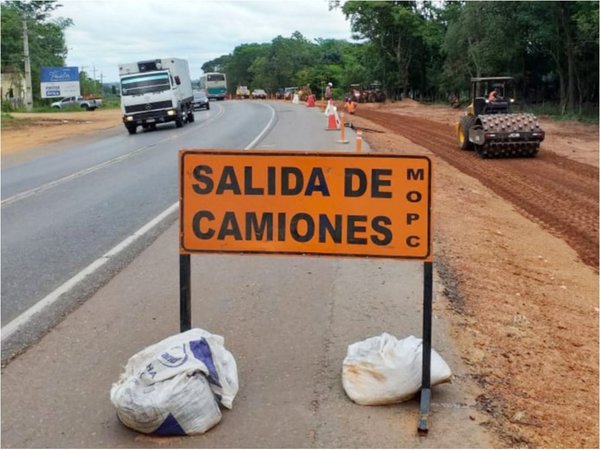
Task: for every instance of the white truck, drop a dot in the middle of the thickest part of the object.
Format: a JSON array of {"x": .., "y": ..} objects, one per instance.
[
  {"x": 89, "y": 104},
  {"x": 156, "y": 91}
]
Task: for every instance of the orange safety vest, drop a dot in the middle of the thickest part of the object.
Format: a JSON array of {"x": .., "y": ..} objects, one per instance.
[{"x": 350, "y": 107}]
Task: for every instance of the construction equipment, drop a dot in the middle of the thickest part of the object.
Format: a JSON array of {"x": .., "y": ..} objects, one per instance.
[
  {"x": 371, "y": 95},
  {"x": 375, "y": 93},
  {"x": 491, "y": 128}
]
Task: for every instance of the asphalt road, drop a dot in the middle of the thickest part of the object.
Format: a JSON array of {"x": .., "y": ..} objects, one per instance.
[
  {"x": 286, "y": 320},
  {"x": 62, "y": 212}
]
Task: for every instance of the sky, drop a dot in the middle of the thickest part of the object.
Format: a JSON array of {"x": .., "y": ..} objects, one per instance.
[{"x": 106, "y": 33}]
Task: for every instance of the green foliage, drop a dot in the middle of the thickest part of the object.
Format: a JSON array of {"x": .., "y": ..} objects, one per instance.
[
  {"x": 46, "y": 38},
  {"x": 7, "y": 121},
  {"x": 216, "y": 65},
  {"x": 88, "y": 85},
  {"x": 551, "y": 48},
  {"x": 111, "y": 101}
]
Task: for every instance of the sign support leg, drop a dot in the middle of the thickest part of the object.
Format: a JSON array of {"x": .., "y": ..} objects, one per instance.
[
  {"x": 426, "y": 373},
  {"x": 185, "y": 293}
]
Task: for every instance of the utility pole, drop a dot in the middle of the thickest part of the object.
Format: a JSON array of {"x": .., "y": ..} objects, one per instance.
[
  {"x": 28, "y": 90},
  {"x": 82, "y": 85}
]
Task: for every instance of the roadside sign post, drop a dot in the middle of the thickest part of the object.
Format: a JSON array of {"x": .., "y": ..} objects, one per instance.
[
  {"x": 427, "y": 326},
  {"x": 308, "y": 203},
  {"x": 185, "y": 292}
]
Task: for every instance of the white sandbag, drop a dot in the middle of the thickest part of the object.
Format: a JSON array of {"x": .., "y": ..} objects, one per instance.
[
  {"x": 383, "y": 369},
  {"x": 175, "y": 385},
  {"x": 177, "y": 406}
]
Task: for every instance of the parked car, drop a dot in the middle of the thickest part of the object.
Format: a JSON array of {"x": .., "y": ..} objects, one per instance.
[
  {"x": 200, "y": 100},
  {"x": 88, "y": 104},
  {"x": 288, "y": 93},
  {"x": 259, "y": 93},
  {"x": 242, "y": 92},
  {"x": 279, "y": 94}
]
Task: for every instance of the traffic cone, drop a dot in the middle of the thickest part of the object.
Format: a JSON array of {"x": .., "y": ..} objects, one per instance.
[
  {"x": 310, "y": 101},
  {"x": 332, "y": 123},
  {"x": 333, "y": 120}
]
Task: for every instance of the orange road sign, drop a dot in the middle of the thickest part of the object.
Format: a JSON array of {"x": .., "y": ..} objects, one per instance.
[{"x": 342, "y": 204}]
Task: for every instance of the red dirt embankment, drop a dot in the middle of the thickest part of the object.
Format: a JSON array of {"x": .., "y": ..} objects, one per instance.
[{"x": 516, "y": 245}]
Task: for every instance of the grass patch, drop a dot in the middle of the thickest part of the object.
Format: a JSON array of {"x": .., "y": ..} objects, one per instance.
[{"x": 589, "y": 114}]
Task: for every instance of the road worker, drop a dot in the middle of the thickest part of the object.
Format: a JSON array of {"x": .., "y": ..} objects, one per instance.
[
  {"x": 350, "y": 105},
  {"x": 328, "y": 93}
]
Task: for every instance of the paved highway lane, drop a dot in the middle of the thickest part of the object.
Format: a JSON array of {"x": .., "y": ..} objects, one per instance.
[{"x": 62, "y": 212}]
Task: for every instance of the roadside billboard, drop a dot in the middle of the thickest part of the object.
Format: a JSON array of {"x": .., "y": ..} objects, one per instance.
[{"x": 60, "y": 82}]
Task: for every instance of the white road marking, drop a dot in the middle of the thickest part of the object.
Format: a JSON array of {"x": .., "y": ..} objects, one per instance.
[
  {"x": 52, "y": 184},
  {"x": 264, "y": 131},
  {"x": 10, "y": 328},
  {"x": 118, "y": 159},
  {"x": 24, "y": 317}
]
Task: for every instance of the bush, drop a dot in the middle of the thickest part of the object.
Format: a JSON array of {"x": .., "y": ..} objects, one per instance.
[
  {"x": 7, "y": 107},
  {"x": 589, "y": 114}
]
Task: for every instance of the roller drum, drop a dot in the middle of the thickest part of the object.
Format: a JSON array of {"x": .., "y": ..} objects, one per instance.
[{"x": 506, "y": 135}]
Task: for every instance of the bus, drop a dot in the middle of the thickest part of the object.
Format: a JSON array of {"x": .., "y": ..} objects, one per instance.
[{"x": 215, "y": 85}]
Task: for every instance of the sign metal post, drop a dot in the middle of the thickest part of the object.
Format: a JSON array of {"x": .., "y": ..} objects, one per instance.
[
  {"x": 185, "y": 293},
  {"x": 426, "y": 371}
]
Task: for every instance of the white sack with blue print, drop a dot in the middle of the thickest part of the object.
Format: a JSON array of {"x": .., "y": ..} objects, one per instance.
[{"x": 175, "y": 387}]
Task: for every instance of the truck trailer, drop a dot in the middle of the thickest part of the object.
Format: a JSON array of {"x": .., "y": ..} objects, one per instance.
[{"x": 156, "y": 91}]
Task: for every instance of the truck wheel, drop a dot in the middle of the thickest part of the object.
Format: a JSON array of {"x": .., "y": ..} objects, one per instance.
[
  {"x": 131, "y": 128},
  {"x": 466, "y": 122}
]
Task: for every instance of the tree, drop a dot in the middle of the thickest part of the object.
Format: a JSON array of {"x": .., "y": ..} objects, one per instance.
[
  {"x": 431, "y": 50},
  {"x": 549, "y": 47},
  {"x": 216, "y": 65},
  {"x": 585, "y": 19},
  {"x": 240, "y": 61},
  {"x": 89, "y": 85},
  {"x": 46, "y": 38},
  {"x": 394, "y": 28}
]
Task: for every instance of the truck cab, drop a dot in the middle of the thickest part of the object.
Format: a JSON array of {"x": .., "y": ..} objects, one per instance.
[{"x": 154, "y": 92}]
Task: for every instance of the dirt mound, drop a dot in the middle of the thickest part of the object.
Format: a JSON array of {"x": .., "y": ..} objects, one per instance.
[{"x": 557, "y": 192}]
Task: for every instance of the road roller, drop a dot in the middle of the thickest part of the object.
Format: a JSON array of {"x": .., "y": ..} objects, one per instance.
[{"x": 491, "y": 128}]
